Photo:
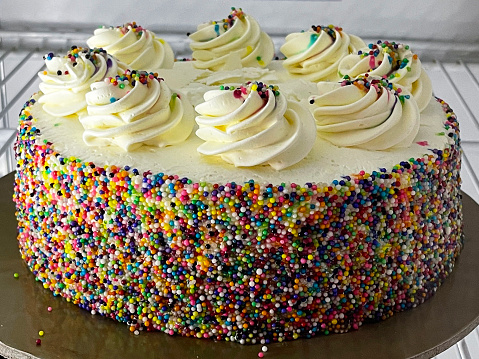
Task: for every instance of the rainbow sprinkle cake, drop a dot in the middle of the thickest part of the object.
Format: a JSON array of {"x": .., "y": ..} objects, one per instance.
[
  {"x": 125, "y": 212},
  {"x": 245, "y": 262}
]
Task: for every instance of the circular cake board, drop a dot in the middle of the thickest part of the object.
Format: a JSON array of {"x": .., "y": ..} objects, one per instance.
[{"x": 71, "y": 332}]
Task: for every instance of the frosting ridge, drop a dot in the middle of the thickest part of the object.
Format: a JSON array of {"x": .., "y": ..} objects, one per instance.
[
  {"x": 315, "y": 54},
  {"x": 68, "y": 78},
  {"x": 231, "y": 43},
  {"x": 367, "y": 112},
  {"x": 135, "y": 46},
  {"x": 254, "y": 125},
  {"x": 393, "y": 61},
  {"x": 133, "y": 110}
]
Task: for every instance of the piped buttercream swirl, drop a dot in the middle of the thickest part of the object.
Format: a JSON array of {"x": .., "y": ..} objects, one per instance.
[
  {"x": 368, "y": 113},
  {"x": 135, "y": 46},
  {"x": 393, "y": 61},
  {"x": 315, "y": 54},
  {"x": 67, "y": 79},
  {"x": 133, "y": 110},
  {"x": 231, "y": 43},
  {"x": 254, "y": 125}
]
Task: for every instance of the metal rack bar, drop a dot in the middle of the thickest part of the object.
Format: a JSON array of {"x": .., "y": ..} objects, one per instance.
[
  {"x": 470, "y": 169},
  {"x": 3, "y": 88},
  {"x": 456, "y": 90},
  {"x": 469, "y": 72},
  {"x": 16, "y": 68},
  {"x": 20, "y": 94}
]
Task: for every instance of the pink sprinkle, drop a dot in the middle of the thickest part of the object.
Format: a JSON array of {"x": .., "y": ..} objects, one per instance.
[
  {"x": 423, "y": 143},
  {"x": 260, "y": 354},
  {"x": 49, "y": 309},
  {"x": 372, "y": 62}
]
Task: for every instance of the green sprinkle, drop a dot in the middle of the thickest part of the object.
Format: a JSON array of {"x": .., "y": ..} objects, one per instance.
[
  {"x": 16, "y": 275},
  {"x": 173, "y": 100}
]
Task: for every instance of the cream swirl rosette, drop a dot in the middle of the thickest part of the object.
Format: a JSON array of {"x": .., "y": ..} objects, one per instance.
[
  {"x": 231, "y": 43},
  {"x": 135, "y": 46},
  {"x": 254, "y": 125},
  {"x": 315, "y": 54},
  {"x": 368, "y": 113},
  {"x": 393, "y": 61},
  {"x": 133, "y": 110},
  {"x": 67, "y": 79}
]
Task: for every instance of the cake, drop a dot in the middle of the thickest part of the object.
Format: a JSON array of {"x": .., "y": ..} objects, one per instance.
[{"x": 185, "y": 229}]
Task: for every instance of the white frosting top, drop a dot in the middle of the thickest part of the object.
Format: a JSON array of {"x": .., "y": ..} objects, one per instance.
[
  {"x": 393, "y": 61},
  {"x": 136, "y": 47},
  {"x": 254, "y": 125},
  {"x": 315, "y": 54},
  {"x": 135, "y": 111},
  {"x": 366, "y": 113},
  {"x": 67, "y": 79},
  {"x": 231, "y": 43},
  {"x": 324, "y": 163}
]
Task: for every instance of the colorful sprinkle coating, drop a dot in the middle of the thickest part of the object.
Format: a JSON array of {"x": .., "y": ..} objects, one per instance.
[
  {"x": 74, "y": 53},
  {"x": 230, "y": 20},
  {"x": 129, "y": 26},
  {"x": 250, "y": 262},
  {"x": 244, "y": 90},
  {"x": 366, "y": 82},
  {"x": 131, "y": 77},
  {"x": 395, "y": 52},
  {"x": 330, "y": 30}
]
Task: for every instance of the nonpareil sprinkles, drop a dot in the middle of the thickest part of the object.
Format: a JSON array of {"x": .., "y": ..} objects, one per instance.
[{"x": 243, "y": 262}]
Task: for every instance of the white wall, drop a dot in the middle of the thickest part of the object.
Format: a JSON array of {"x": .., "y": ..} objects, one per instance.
[
  {"x": 437, "y": 26},
  {"x": 415, "y": 19}
]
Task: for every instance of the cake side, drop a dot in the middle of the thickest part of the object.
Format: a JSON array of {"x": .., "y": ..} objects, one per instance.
[{"x": 247, "y": 261}]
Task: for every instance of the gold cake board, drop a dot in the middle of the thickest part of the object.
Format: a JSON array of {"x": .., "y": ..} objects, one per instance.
[{"x": 71, "y": 332}]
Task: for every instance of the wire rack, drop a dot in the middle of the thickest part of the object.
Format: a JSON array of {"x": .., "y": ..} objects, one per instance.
[{"x": 457, "y": 83}]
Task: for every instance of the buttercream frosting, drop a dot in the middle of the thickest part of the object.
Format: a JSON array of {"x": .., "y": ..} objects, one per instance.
[
  {"x": 67, "y": 79},
  {"x": 231, "y": 43},
  {"x": 133, "y": 110},
  {"x": 315, "y": 54},
  {"x": 368, "y": 113},
  {"x": 393, "y": 61},
  {"x": 254, "y": 125},
  {"x": 135, "y": 46}
]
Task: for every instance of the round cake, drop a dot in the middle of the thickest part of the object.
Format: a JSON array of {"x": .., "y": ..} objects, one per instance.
[{"x": 240, "y": 203}]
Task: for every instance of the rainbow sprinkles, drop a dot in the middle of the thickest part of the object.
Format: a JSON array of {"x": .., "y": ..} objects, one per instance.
[{"x": 245, "y": 262}]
